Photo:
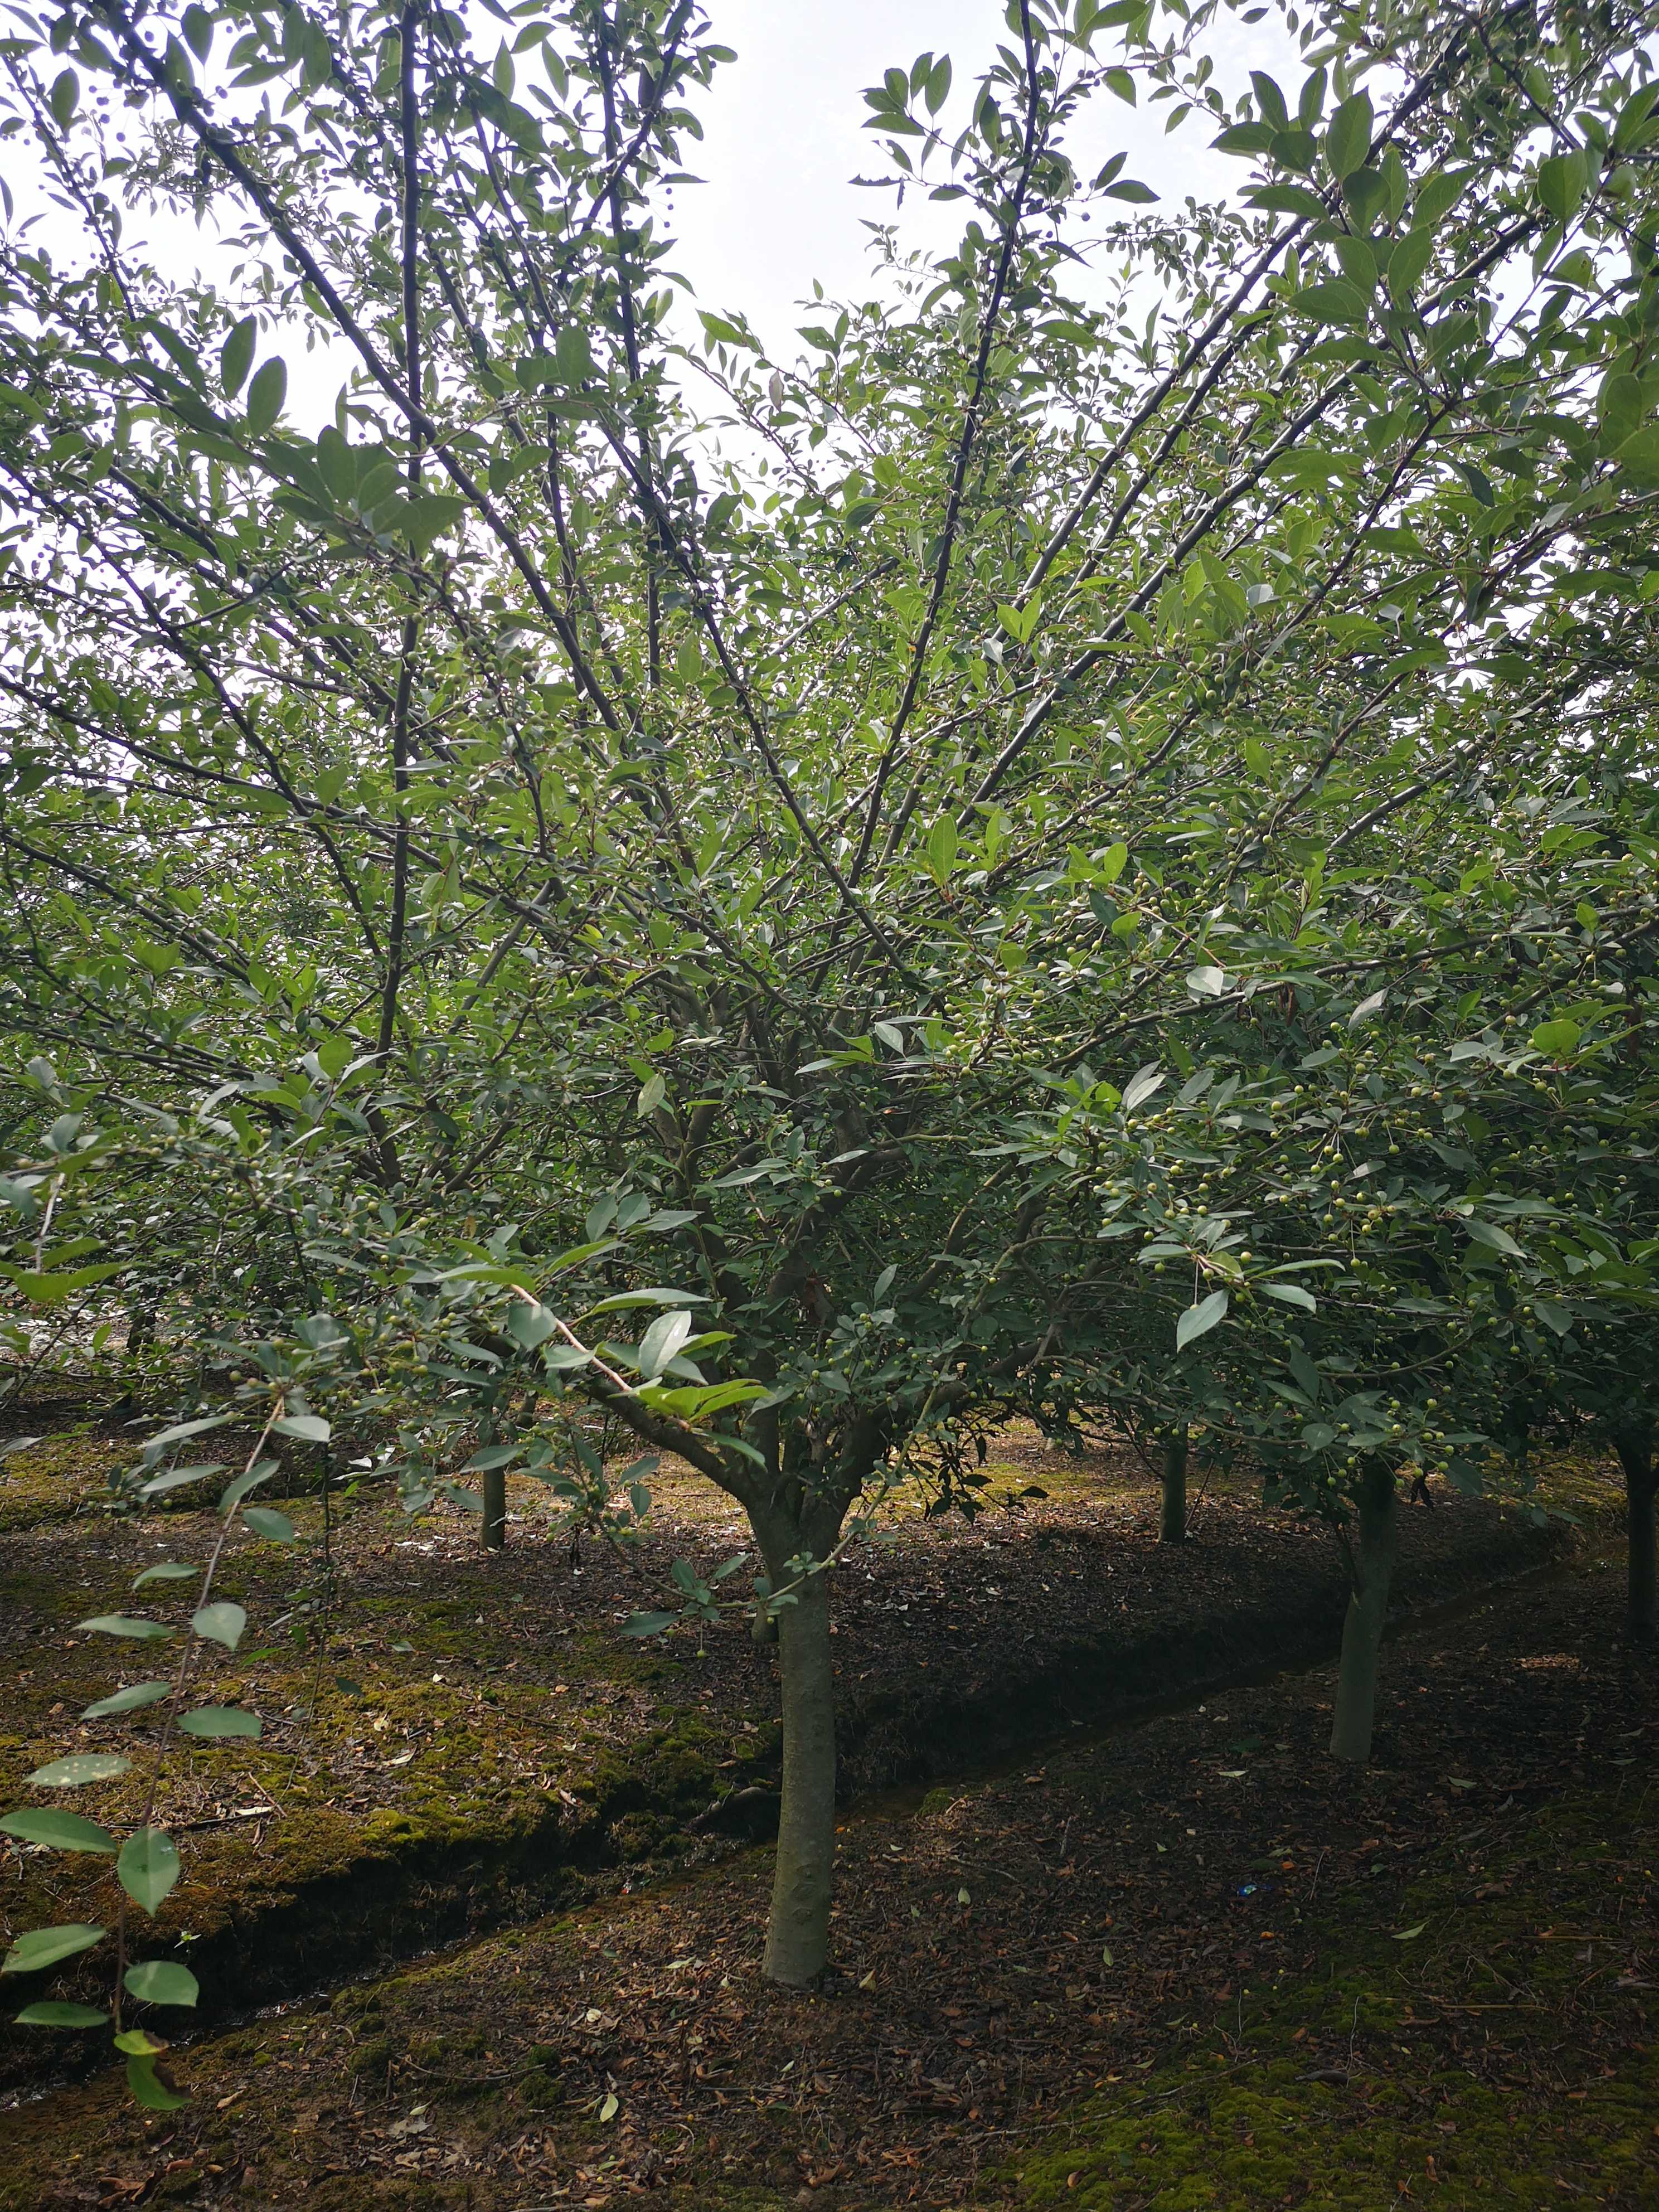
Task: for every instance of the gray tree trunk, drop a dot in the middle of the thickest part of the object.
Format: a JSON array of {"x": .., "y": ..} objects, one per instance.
[
  {"x": 1368, "y": 1608},
  {"x": 798, "y": 1935},
  {"x": 1172, "y": 1522},
  {"x": 1641, "y": 1486}
]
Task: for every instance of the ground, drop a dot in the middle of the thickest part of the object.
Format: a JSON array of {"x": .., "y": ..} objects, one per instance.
[
  {"x": 451, "y": 1741},
  {"x": 1154, "y": 1965},
  {"x": 1184, "y": 1966}
]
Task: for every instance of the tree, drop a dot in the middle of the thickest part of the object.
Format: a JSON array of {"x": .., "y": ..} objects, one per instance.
[{"x": 608, "y": 824}]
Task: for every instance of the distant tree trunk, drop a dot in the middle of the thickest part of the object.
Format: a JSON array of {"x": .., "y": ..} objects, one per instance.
[
  {"x": 141, "y": 1329},
  {"x": 1172, "y": 1524},
  {"x": 1368, "y": 1608},
  {"x": 1635, "y": 1449},
  {"x": 798, "y": 1934},
  {"x": 494, "y": 1508},
  {"x": 494, "y": 1489}
]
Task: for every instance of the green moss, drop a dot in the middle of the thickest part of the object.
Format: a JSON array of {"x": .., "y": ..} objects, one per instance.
[
  {"x": 55, "y": 1478},
  {"x": 1218, "y": 2133},
  {"x": 1239, "y": 2146},
  {"x": 373, "y": 2058},
  {"x": 539, "y": 2091}
]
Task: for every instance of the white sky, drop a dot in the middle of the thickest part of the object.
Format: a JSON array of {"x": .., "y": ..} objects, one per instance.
[{"x": 783, "y": 138}]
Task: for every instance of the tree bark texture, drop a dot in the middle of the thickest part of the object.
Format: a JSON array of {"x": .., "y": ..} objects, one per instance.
[
  {"x": 494, "y": 1508},
  {"x": 1368, "y": 1608},
  {"x": 798, "y": 1935},
  {"x": 1172, "y": 1521}
]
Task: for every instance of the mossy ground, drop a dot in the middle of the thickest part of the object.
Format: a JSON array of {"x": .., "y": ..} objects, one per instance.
[
  {"x": 454, "y": 1740},
  {"x": 57, "y": 1477},
  {"x": 1025, "y": 2021},
  {"x": 1484, "y": 2063}
]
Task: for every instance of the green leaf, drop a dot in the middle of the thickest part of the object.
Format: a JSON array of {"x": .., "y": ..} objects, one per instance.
[
  {"x": 63, "y": 1831},
  {"x": 1562, "y": 180},
  {"x": 427, "y": 515},
  {"x": 1338, "y": 301},
  {"x": 168, "y": 1570},
  {"x": 224, "y": 1622},
  {"x": 265, "y": 396},
  {"x": 65, "y": 98},
  {"x": 1438, "y": 195},
  {"x": 176, "y": 1478},
  {"x": 120, "y": 1623},
  {"x": 652, "y": 1092},
  {"x": 661, "y": 1341},
  {"x": 1290, "y": 1294},
  {"x": 177, "y": 1434},
  {"x": 1244, "y": 138},
  {"x": 1197, "y": 1319},
  {"x": 162, "y": 1981},
  {"x": 198, "y": 26},
  {"x": 56, "y": 1290},
  {"x": 84, "y": 1766},
  {"x": 1406, "y": 264},
  {"x": 1366, "y": 191},
  {"x": 47, "y": 1946},
  {"x": 1638, "y": 459},
  {"x": 53, "y": 2012},
  {"x": 128, "y": 1700},
  {"x": 1410, "y": 1935},
  {"x": 1494, "y": 1239},
  {"x": 529, "y": 1323},
  {"x": 150, "y": 2091},
  {"x": 493, "y": 1456},
  {"x": 648, "y": 1624},
  {"x": 1295, "y": 149},
  {"x": 1269, "y": 99},
  {"x": 1557, "y": 1038},
  {"x": 220, "y": 1721},
  {"x": 309, "y": 1428},
  {"x": 147, "y": 1867},
  {"x": 265, "y": 1521},
  {"x": 1288, "y": 199},
  {"x": 236, "y": 356},
  {"x": 1131, "y": 190},
  {"x": 1348, "y": 139}
]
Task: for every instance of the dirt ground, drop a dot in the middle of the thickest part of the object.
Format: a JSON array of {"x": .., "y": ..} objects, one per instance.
[
  {"x": 1181, "y": 1964},
  {"x": 452, "y": 1742}
]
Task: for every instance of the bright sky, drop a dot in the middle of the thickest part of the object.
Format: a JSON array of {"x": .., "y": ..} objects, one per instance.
[{"x": 783, "y": 138}]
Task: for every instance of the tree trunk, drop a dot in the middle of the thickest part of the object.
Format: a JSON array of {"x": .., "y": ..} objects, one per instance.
[
  {"x": 1172, "y": 1524},
  {"x": 1368, "y": 1608},
  {"x": 494, "y": 1508},
  {"x": 140, "y": 1330},
  {"x": 798, "y": 1935},
  {"x": 1641, "y": 1485}
]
